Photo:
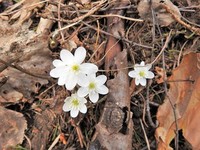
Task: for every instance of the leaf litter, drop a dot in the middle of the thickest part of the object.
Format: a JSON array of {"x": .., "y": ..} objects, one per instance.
[
  {"x": 32, "y": 35},
  {"x": 184, "y": 96}
]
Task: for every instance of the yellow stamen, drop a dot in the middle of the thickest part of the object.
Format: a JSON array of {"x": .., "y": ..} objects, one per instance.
[
  {"x": 75, "y": 102},
  {"x": 91, "y": 85},
  {"x": 142, "y": 74},
  {"x": 75, "y": 68}
]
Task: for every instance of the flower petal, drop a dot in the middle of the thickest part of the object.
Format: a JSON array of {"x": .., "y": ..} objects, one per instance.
[
  {"x": 83, "y": 108},
  {"x": 58, "y": 63},
  {"x": 143, "y": 81},
  {"x": 102, "y": 89},
  {"x": 57, "y": 72},
  {"x": 133, "y": 74},
  {"x": 80, "y": 55},
  {"x": 93, "y": 96},
  {"x": 82, "y": 92},
  {"x": 83, "y": 100},
  {"x": 71, "y": 81},
  {"x": 74, "y": 113},
  {"x": 83, "y": 80},
  {"x": 88, "y": 68},
  {"x": 66, "y": 107},
  {"x": 67, "y": 57},
  {"x": 150, "y": 75},
  {"x": 62, "y": 80},
  {"x": 142, "y": 63},
  {"x": 148, "y": 66},
  {"x": 101, "y": 79},
  {"x": 137, "y": 81}
]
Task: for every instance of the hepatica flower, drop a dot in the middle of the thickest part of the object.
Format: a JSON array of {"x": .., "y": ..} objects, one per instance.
[
  {"x": 94, "y": 86},
  {"x": 71, "y": 70},
  {"x": 74, "y": 104},
  {"x": 141, "y": 73}
]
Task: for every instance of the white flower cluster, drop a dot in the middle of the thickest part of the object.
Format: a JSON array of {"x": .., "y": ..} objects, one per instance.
[
  {"x": 141, "y": 73},
  {"x": 71, "y": 71}
]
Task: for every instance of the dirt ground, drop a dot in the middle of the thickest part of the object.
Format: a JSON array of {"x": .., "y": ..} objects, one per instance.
[{"x": 117, "y": 35}]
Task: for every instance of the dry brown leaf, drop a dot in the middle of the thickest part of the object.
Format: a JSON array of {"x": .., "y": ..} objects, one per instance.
[
  {"x": 27, "y": 8},
  {"x": 12, "y": 125},
  {"x": 186, "y": 96},
  {"x": 33, "y": 56},
  {"x": 161, "y": 75},
  {"x": 42, "y": 128},
  {"x": 164, "y": 18},
  {"x": 116, "y": 28}
]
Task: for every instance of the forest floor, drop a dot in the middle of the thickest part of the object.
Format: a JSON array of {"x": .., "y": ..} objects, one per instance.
[{"x": 163, "y": 114}]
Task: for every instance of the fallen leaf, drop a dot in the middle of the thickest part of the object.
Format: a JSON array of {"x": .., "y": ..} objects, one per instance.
[
  {"x": 31, "y": 55},
  {"x": 161, "y": 75},
  {"x": 26, "y": 9},
  {"x": 12, "y": 125},
  {"x": 115, "y": 27},
  {"x": 163, "y": 17},
  {"x": 184, "y": 93},
  {"x": 42, "y": 128}
]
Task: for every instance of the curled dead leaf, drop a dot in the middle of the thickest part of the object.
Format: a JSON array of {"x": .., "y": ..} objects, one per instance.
[
  {"x": 184, "y": 94},
  {"x": 164, "y": 18}
]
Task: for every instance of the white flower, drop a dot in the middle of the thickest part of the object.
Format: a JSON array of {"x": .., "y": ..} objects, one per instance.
[
  {"x": 74, "y": 104},
  {"x": 141, "y": 73},
  {"x": 70, "y": 70},
  {"x": 93, "y": 87}
]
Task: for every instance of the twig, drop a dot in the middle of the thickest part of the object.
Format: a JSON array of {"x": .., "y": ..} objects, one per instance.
[
  {"x": 119, "y": 38},
  {"x": 145, "y": 135},
  {"x": 79, "y": 133},
  {"x": 59, "y": 23},
  {"x": 180, "y": 54},
  {"x": 96, "y": 29},
  {"x": 29, "y": 141},
  {"x": 54, "y": 142},
  {"x": 9, "y": 11},
  {"x": 119, "y": 16},
  {"x": 173, "y": 106},
  {"x": 148, "y": 109},
  {"x": 144, "y": 111},
  {"x": 163, "y": 48},
  {"x": 92, "y": 11},
  {"x": 188, "y": 26},
  {"x": 26, "y": 71}
]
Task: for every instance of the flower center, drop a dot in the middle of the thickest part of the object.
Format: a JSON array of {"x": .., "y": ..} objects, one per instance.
[
  {"x": 75, "y": 102},
  {"x": 142, "y": 74},
  {"x": 75, "y": 68},
  {"x": 91, "y": 86}
]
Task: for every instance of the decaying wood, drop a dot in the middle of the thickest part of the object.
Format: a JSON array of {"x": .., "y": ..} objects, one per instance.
[{"x": 115, "y": 125}]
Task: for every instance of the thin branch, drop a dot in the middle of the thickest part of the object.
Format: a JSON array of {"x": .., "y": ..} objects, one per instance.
[
  {"x": 163, "y": 48},
  {"x": 26, "y": 71},
  {"x": 145, "y": 135},
  {"x": 178, "y": 19},
  {"x": 148, "y": 109},
  {"x": 173, "y": 106}
]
